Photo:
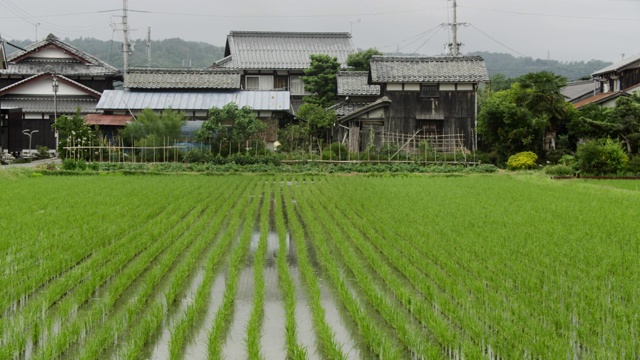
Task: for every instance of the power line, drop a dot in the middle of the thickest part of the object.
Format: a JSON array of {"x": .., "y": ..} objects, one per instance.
[{"x": 551, "y": 15}]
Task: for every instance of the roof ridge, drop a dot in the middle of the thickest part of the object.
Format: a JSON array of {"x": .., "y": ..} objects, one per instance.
[
  {"x": 289, "y": 33},
  {"x": 430, "y": 58}
]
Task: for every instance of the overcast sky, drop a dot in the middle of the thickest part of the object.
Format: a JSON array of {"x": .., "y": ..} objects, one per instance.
[{"x": 567, "y": 30}]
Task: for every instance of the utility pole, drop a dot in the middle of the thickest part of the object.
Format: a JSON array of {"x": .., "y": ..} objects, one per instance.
[
  {"x": 126, "y": 47},
  {"x": 454, "y": 47},
  {"x": 149, "y": 47}
]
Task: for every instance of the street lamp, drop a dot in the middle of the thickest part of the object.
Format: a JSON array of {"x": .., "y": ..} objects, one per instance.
[
  {"x": 55, "y": 86},
  {"x": 29, "y": 132}
]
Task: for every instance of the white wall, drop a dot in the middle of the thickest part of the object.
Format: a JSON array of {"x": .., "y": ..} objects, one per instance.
[{"x": 42, "y": 87}]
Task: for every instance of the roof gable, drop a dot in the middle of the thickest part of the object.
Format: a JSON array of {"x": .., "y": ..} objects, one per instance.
[
  {"x": 54, "y": 55},
  {"x": 390, "y": 69},
  {"x": 631, "y": 62},
  {"x": 142, "y": 78},
  {"x": 283, "y": 50},
  {"x": 41, "y": 85},
  {"x": 3, "y": 57}
]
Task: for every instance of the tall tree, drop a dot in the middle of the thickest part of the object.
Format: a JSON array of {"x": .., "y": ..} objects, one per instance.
[
  {"x": 360, "y": 61},
  {"x": 320, "y": 80}
]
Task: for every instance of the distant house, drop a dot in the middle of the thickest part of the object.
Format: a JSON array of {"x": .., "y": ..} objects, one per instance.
[
  {"x": 277, "y": 60},
  {"x": 419, "y": 96},
  {"x": 576, "y": 91},
  {"x": 50, "y": 78},
  {"x": 190, "y": 91},
  {"x": 619, "y": 76}
]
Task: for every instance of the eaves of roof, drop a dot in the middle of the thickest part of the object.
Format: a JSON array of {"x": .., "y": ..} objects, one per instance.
[
  {"x": 88, "y": 90},
  {"x": 382, "y": 102},
  {"x": 599, "y": 99},
  {"x": 621, "y": 65}
]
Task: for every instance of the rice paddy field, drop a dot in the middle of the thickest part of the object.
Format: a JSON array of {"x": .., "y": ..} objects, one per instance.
[{"x": 318, "y": 267}]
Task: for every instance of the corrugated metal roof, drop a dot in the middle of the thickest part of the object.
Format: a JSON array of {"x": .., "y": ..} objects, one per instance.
[
  {"x": 577, "y": 89},
  {"x": 599, "y": 99},
  {"x": 282, "y": 50},
  {"x": 47, "y": 106},
  {"x": 389, "y": 69},
  {"x": 139, "y": 100},
  {"x": 182, "y": 79},
  {"x": 619, "y": 65},
  {"x": 356, "y": 83}
]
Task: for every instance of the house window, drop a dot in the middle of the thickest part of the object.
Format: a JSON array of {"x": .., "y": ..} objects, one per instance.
[
  {"x": 297, "y": 86},
  {"x": 429, "y": 91},
  {"x": 252, "y": 83}
]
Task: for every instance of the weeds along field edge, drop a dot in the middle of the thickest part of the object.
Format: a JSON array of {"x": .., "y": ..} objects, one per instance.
[{"x": 488, "y": 266}]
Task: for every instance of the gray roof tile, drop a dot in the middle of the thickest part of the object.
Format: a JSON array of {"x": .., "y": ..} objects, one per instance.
[
  {"x": 181, "y": 79},
  {"x": 22, "y": 63},
  {"x": 282, "y": 50},
  {"x": 354, "y": 83},
  {"x": 389, "y": 69}
]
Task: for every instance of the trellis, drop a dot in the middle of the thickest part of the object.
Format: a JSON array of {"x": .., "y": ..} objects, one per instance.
[{"x": 425, "y": 145}]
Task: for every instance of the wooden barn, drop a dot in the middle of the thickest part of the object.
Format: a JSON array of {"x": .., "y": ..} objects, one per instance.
[{"x": 420, "y": 98}]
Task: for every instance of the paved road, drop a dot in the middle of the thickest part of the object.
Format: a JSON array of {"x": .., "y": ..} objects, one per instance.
[{"x": 32, "y": 164}]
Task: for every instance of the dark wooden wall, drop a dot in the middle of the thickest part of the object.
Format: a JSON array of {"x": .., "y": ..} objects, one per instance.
[{"x": 456, "y": 110}]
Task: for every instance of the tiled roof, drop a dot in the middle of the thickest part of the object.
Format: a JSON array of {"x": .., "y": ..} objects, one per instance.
[
  {"x": 347, "y": 107},
  {"x": 181, "y": 79},
  {"x": 282, "y": 50},
  {"x": 47, "y": 106},
  {"x": 356, "y": 83},
  {"x": 619, "y": 65},
  {"x": 138, "y": 100},
  {"x": 599, "y": 99},
  {"x": 470, "y": 69},
  {"x": 3, "y": 57},
  {"x": 23, "y": 63},
  {"x": 382, "y": 102}
]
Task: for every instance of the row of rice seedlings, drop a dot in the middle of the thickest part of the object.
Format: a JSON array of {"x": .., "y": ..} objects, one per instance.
[
  {"x": 372, "y": 335},
  {"x": 327, "y": 343},
  {"x": 411, "y": 338},
  {"x": 78, "y": 286},
  {"x": 254, "y": 327},
  {"x": 381, "y": 254},
  {"x": 180, "y": 331},
  {"x": 224, "y": 314},
  {"x": 139, "y": 336},
  {"x": 134, "y": 340},
  {"x": 67, "y": 241},
  {"x": 101, "y": 310},
  {"x": 295, "y": 351},
  {"x": 450, "y": 283},
  {"x": 87, "y": 289},
  {"x": 415, "y": 305}
]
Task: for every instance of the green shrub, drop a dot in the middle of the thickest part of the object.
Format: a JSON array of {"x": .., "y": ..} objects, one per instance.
[
  {"x": 43, "y": 152},
  {"x": 559, "y": 170},
  {"x": 335, "y": 151},
  {"x": 68, "y": 164},
  {"x": 601, "y": 157},
  {"x": 554, "y": 156},
  {"x": 633, "y": 166},
  {"x": 522, "y": 161}
]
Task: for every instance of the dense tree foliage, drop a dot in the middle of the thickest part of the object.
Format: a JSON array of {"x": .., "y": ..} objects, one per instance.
[
  {"x": 320, "y": 80},
  {"x": 154, "y": 129},
  {"x": 230, "y": 128},
  {"x": 620, "y": 122},
  {"x": 360, "y": 61},
  {"x": 73, "y": 131},
  {"x": 518, "y": 119}
]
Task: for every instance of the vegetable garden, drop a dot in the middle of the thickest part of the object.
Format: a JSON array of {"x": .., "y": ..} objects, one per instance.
[{"x": 318, "y": 267}]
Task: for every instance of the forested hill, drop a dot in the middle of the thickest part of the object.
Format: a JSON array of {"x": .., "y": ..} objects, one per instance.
[
  {"x": 174, "y": 53},
  {"x": 511, "y": 66}
]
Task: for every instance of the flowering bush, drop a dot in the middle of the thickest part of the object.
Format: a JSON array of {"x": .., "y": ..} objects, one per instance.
[{"x": 522, "y": 161}]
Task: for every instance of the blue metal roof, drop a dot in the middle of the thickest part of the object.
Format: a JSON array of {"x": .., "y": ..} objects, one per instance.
[{"x": 185, "y": 101}]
